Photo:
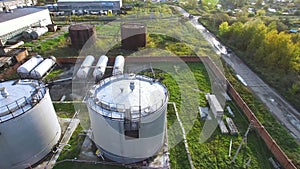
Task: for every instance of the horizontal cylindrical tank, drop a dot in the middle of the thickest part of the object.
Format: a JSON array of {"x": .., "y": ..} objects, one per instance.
[
  {"x": 133, "y": 35},
  {"x": 85, "y": 67},
  {"x": 100, "y": 66},
  {"x": 26, "y": 34},
  {"x": 28, "y": 123},
  {"x": 81, "y": 33},
  {"x": 37, "y": 32},
  {"x": 118, "y": 65},
  {"x": 9, "y": 48},
  {"x": 40, "y": 70},
  {"x": 128, "y": 115},
  {"x": 29, "y": 65}
]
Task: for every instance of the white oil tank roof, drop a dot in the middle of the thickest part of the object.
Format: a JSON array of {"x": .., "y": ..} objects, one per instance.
[
  {"x": 17, "y": 90},
  {"x": 131, "y": 91}
]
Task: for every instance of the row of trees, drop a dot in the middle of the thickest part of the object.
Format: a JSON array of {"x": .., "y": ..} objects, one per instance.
[{"x": 274, "y": 54}]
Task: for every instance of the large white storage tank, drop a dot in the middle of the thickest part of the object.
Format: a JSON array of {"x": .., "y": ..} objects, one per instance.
[
  {"x": 128, "y": 115},
  {"x": 29, "y": 127},
  {"x": 24, "y": 69},
  {"x": 118, "y": 65},
  {"x": 40, "y": 70},
  {"x": 100, "y": 66},
  {"x": 85, "y": 67}
]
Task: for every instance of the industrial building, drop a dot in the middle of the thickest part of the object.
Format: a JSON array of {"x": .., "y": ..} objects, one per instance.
[
  {"x": 128, "y": 117},
  {"x": 13, "y": 4},
  {"x": 18, "y": 20},
  {"x": 89, "y": 5},
  {"x": 29, "y": 127}
]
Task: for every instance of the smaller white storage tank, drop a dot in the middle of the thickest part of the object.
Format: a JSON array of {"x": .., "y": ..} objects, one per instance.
[
  {"x": 100, "y": 66},
  {"x": 118, "y": 65},
  {"x": 24, "y": 69},
  {"x": 40, "y": 70},
  {"x": 85, "y": 67},
  {"x": 37, "y": 32}
]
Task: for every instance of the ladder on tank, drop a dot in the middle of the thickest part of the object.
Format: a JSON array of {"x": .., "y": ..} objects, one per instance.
[{"x": 131, "y": 126}]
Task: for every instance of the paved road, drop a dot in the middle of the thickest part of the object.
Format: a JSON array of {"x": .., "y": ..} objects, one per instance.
[{"x": 283, "y": 111}]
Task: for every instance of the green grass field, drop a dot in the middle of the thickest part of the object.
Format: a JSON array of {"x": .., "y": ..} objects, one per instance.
[
  {"x": 178, "y": 37},
  {"x": 214, "y": 152}
]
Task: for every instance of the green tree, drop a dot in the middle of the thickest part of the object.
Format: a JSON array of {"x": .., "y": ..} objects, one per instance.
[
  {"x": 224, "y": 29},
  {"x": 258, "y": 3},
  {"x": 235, "y": 32},
  {"x": 261, "y": 12},
  {"x": 256, "y": 41},
  {"x": 277, "y": 51},
  {"x": 277, "y": 25}
]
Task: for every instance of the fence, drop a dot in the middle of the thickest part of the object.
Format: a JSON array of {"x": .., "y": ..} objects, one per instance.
[{"x": 270, "y": 142}]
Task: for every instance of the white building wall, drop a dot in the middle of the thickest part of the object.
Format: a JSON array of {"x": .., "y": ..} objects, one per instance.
[
  {"x": 18, "y": 23},
  {"x": 90, "y": 5}
]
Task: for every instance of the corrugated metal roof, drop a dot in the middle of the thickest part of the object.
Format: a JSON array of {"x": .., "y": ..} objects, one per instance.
[
  {"x": 88, "y": 1},
  {"x": 19, "y": 12},
  {"x": 6, "y": 0}
]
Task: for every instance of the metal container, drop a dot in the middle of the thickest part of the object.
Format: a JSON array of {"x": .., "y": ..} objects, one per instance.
[
  {"x": 215, "y": 106},
  {"x": 40, "y": 70},
  {"x": 81, "y": 33},
  {"x": 26, "y": 34},
  {"x": 24, "y": 69},
  {"x": 100, "y": 67},
  {"x": 52, "y": 27},
  {"x": 118, "y": 65},
  {"x": 133, "y": 35},
  {"x": 85, "y": 67},
  {"x": 29, "y": 128},
  {"x": 128, "y": 117},
  {"x": 37, "y": 32}
]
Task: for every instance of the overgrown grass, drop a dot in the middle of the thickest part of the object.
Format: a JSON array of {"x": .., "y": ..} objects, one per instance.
[
  {"x": 279, "y": 133},
  {"x": 70, "y": 152},
  {"x": 64, "y": 110},
  {"x": 214, "y": 152},
  {"x": 58, "y": 47},
  {"x": 53, "y": 74}
]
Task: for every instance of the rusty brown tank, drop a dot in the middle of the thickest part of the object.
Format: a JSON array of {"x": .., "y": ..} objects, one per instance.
[
  {"x": 133, "y": 35},
  {"x": 81, "y": 33}
]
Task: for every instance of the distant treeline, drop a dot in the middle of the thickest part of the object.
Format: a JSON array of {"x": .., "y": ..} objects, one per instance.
[{"x": 273, "y": 54}]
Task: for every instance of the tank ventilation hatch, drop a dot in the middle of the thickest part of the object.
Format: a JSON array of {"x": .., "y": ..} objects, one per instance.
[
  {"x": 131, "y": 86},
  {"x": 4, "y": 92}
]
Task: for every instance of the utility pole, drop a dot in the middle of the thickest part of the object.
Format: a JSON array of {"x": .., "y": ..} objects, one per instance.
[
  {"x": 243, "y": 141},
  {"x": 230, "y": 146}
]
